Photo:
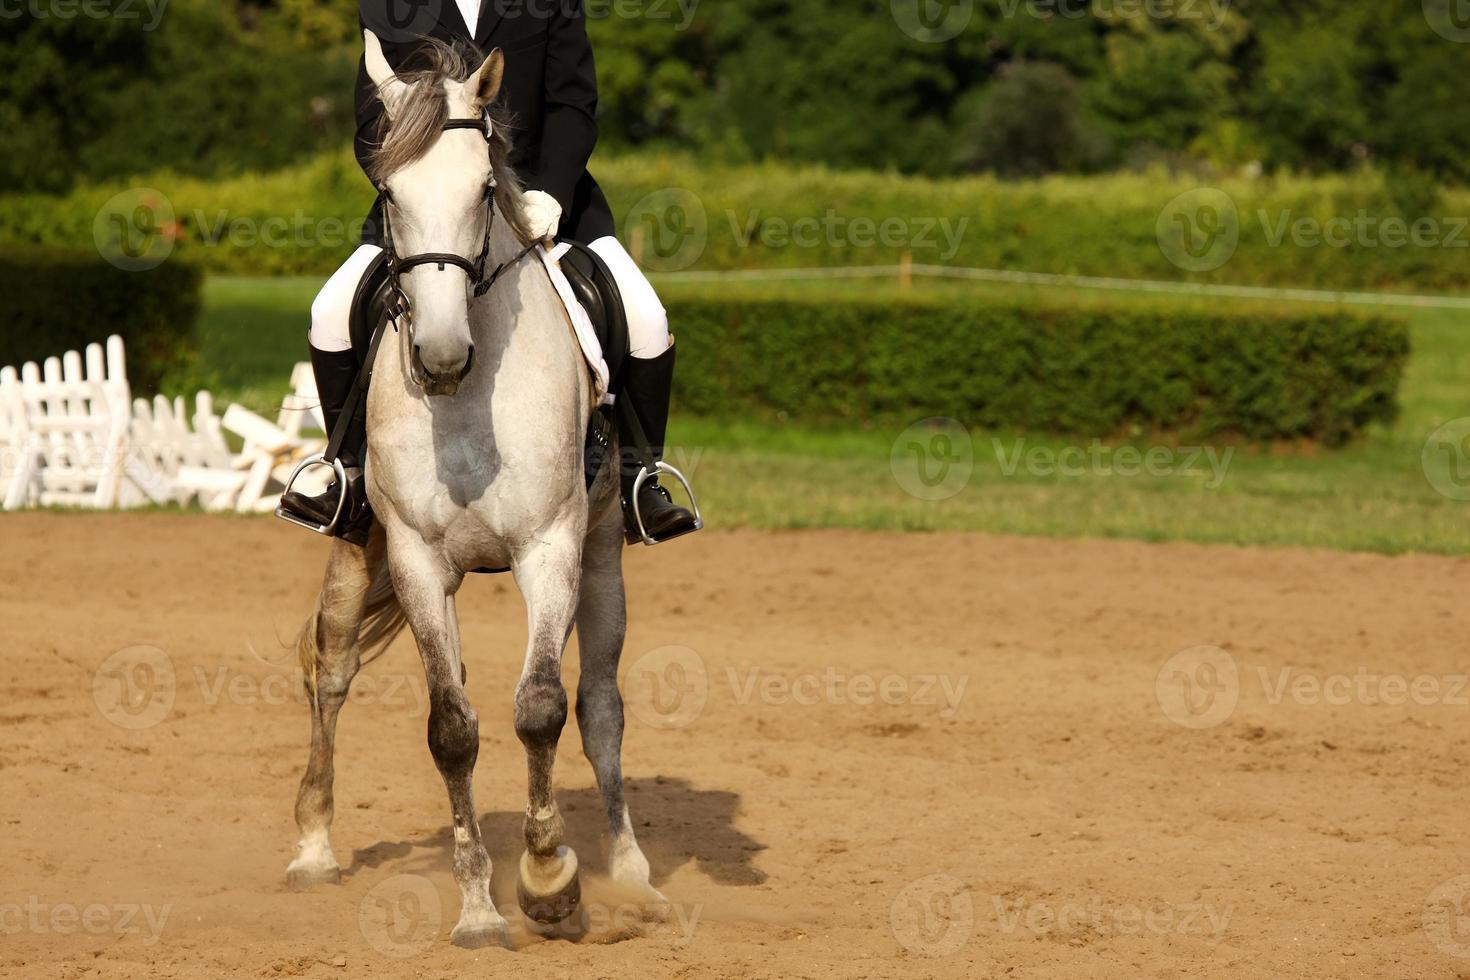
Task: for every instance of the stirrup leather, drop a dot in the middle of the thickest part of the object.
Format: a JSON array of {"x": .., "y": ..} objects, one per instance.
[
  {"x": 644, "y": 475},
  {"x": 330, "y": 530}
]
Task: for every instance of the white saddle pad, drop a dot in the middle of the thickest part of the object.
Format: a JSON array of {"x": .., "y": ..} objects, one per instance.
[{"x": 581, "y": 323}]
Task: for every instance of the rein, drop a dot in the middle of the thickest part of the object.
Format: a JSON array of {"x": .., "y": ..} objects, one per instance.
[{"x": 474, "y": 269}]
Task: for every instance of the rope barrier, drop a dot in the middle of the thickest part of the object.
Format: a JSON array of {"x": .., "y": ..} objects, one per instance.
[{"x": 1083, "y": 282}]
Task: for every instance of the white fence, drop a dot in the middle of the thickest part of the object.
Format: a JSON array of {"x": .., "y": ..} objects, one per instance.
[{"x": 71, "y": 434}]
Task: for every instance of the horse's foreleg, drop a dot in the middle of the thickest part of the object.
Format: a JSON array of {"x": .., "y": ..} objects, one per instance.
[
  {"x": 601, "y": 625},
  {"x": 425, "y": 589},
  {"x": 548, "y": 574},
  {"x": 328, "y": 650}
]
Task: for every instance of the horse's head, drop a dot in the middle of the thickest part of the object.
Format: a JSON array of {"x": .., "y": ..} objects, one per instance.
[{"x": 441, "y": 190}]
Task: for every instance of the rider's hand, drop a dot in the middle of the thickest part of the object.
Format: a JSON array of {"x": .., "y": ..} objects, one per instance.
[{"x": 543, "y": 214}]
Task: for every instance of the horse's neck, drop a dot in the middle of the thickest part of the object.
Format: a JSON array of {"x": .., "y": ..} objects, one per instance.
[{"x": 523, "y": 309}]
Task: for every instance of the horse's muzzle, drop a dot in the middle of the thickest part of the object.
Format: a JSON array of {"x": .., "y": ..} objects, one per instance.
[{"x": 434, "y": 383}]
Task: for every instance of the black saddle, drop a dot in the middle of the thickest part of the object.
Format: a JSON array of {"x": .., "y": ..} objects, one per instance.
[
  {"x": 371, "y": 305},
  {"x": 596, "y": 289},
  {"x": 592, "y": 283}
]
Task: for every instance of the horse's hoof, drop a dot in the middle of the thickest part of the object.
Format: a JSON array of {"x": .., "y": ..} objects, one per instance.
[
  {"x": 479, "y": 936},
  {"x": 549, "y": 895},
  {"x": 656, "y": 907},
  {"x": 305, "y": 879}
]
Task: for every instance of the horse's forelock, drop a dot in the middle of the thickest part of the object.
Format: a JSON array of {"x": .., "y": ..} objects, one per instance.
[{"x": 418, "y": 122}]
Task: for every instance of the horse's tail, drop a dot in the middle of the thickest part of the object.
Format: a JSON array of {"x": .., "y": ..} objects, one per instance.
[{"x": 382, "y": 621}]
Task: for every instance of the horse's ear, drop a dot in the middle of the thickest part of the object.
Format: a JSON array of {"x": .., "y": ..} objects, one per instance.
[
  {"x": 390, "y": 88},
  {"x": 485, "y": 83}
]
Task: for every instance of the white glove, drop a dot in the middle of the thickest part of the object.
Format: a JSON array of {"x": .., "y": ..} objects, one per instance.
[{"x": 543, "y": 214}]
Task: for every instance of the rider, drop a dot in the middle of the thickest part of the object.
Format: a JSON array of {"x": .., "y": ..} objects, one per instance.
[{"x": 551, "y": 92}]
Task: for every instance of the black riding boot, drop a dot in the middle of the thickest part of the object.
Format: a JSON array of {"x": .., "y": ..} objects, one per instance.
[
  {"x": 647, "y": 384},
  {"x": 336, "y": 373}
]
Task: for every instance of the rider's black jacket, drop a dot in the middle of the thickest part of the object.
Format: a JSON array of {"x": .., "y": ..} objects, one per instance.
[{"x": 550, "y": 89}]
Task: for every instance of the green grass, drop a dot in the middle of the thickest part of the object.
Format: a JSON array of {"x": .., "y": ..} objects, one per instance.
[{"x": 1373, "y": 495}]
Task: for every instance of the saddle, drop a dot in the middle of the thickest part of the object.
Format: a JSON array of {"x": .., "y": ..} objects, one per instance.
[
  {"x": 592, "y": 283},
  {"x": 376, "y": 302}
]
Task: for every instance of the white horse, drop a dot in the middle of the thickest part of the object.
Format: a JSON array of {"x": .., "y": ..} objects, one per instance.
[{"x": 476, "y": 422}]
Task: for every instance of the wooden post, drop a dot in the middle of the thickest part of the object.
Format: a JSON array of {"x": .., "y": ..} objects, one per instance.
[
  {"x": 635, "y": 245},
  {"x": 906, "y": 272}
]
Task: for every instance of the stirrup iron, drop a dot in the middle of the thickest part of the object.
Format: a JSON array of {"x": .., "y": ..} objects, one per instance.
[
  {"x": 320, "y": 459},
  {"x": 644, "y": 475}
]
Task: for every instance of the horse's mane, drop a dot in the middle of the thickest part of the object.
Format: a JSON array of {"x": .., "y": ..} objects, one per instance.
[{"x": 419, "y": 120}]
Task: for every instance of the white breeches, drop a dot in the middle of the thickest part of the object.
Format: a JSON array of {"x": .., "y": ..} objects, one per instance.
[{"x": 648, "y": 324}]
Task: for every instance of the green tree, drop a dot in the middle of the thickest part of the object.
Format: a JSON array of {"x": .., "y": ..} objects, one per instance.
[
  {"x": 1030, "y": 121},
  {"x": 1161, "y": 87},
  {"x": 1308, "y": 98}
]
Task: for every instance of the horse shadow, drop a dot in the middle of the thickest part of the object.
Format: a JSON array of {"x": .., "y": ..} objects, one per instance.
[{"x": 677, "y": 824}]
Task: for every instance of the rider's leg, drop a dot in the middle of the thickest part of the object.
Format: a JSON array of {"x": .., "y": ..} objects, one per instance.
[
  {"x": 335, "y": 367},
  {"x": 648, "y": 379}
]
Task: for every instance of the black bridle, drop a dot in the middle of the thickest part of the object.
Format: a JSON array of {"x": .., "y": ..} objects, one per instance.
[{"x": 475, "y": 269}]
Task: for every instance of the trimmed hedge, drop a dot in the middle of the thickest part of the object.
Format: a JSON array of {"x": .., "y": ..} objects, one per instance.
[
  {"x": 1094, "y": 371},
  {"x": 304, "y": 221},
  {"x": 59, "y": 301}
]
